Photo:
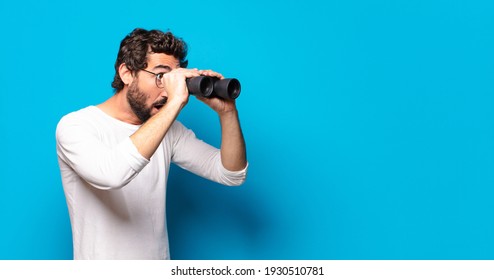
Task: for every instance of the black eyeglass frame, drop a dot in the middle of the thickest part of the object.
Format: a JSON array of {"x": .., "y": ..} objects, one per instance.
[{"x": 158, "y": 76}]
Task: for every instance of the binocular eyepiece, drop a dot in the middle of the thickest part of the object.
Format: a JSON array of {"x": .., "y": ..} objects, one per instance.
[{"x": 208, "y": 87}]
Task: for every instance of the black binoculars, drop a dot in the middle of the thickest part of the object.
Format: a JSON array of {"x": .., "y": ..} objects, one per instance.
[{"x": 208, "y": 87}]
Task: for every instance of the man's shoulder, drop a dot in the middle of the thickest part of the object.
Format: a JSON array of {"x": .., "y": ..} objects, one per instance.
[
  {"x": 89, "y": 110},
  {"x": 82, "y": 116}
]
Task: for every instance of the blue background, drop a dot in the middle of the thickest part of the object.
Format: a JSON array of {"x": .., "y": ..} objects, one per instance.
[{"x": 369, "y": 124}]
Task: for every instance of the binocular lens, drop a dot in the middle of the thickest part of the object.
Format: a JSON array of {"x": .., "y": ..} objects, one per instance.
[
  {"x": 234, "y": 88},
  {"x": 227, "y": 88},
  {"x": 210, "y": 86}
]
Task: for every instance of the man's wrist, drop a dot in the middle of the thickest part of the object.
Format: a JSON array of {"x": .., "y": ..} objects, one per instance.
[
  {"x": 174, "y": 104},
  {"x": 228, "y": 114}
]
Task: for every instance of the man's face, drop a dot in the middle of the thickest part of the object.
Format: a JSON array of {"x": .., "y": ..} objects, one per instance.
[{"x": 143, "y": 95}]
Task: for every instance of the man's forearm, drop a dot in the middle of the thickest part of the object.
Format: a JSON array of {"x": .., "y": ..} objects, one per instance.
[
  {"x": 233, "y": 151},
  {"x": 149, "y": 136}
]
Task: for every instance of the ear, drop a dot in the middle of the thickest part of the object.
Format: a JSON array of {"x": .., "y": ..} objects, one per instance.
[{"x": 125, "y": 74}]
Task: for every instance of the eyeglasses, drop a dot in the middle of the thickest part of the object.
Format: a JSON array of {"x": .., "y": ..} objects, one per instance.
[{"x": 159, "y": 78}]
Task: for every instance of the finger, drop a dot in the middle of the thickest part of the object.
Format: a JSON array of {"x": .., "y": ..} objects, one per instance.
[
  {"x": 188, "y": 73},
  {"x": 200, "y": 98},
  {"x": 191, "y": 74},
  {"x": 208, "y": 101},
  {"x": 211, "y": 73}
]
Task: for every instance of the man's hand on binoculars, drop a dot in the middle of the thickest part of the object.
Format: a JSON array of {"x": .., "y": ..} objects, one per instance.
[
  {"x": 210, "y": 73},
  {"x": 176, "y": 91},
  {"x": 175, "y": 88},
  {"x": 219, "y": 105}
]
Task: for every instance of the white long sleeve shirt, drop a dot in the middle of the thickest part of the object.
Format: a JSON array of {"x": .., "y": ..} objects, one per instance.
[{"x": 115, "y": 196}]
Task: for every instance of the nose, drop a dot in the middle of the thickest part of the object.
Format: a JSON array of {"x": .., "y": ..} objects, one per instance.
[{"x": 164, "y": 94}]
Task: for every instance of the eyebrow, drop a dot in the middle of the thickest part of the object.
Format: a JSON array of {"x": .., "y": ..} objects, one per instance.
[{"x": 166, "y": 67}]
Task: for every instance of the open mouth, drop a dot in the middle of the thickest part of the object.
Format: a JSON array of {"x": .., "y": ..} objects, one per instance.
[{"x": 160, "y": 104}]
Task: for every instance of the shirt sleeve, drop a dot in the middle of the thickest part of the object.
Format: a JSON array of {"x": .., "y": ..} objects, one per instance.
[
  {"x": 101, "y": 166},
  {"x": 202, "y": 159}
]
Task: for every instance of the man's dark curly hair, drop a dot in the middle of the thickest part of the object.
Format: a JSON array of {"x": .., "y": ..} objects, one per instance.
[{"x": 135, "y": 47}]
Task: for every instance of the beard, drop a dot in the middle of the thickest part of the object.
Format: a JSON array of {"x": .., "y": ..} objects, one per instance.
[{"x": 137, "y": 101}]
